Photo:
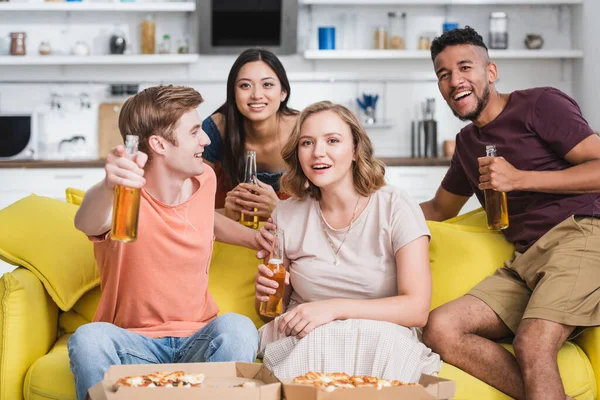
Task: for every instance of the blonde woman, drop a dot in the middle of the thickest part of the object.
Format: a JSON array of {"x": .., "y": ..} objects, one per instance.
[{"x": 357, "y": 255}]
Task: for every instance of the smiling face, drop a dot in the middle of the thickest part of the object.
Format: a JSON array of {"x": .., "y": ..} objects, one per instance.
[
  {"x": 326, "y": 150},
  {"x": 186, "y": 156},
  {"x": 465, "y": 79},
  {"x": 258, "y": 91}
]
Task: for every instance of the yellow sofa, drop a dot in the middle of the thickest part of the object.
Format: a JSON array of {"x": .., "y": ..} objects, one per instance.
[{"x": 56, "y": 290}]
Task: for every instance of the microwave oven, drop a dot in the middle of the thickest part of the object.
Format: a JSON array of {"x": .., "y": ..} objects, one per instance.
[
  {"x": 18, "y": 136},
  {"x": 232, "y": 26}
]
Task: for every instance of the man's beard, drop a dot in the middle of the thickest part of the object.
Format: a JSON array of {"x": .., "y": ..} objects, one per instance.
[{"x": 481, "y": 103}]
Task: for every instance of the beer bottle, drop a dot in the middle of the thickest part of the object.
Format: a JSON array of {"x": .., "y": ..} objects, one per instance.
[
  {"x": 126, "y": 203},
  {"x": 273, "y": 307},
  {"x": 495, "y": 202},
  {"x": 250, "y": 177}
]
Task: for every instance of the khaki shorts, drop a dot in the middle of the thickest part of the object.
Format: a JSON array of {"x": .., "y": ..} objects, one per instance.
[{"x": 556, "y": 279}]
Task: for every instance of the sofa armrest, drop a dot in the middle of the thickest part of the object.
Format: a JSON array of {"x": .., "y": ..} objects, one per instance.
[
  {"x": 589, "y": 341},
  {"x": 28, "y": 328}
]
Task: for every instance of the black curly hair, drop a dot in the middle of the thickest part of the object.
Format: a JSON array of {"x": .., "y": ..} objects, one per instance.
[{"x": 466, "y": 35}]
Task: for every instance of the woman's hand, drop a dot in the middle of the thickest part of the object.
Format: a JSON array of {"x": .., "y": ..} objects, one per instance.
[
  {"x": 264, "y": 286},
  {"x": 259, "y": 199},
  {"x": 302, "y": 319},
  {"x": 232, "y": 210}
]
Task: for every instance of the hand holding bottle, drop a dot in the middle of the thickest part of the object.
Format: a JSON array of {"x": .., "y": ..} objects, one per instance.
[
  {"x": 498, "y": 174},
  {"x": 121, "y": 169},
  {"x": 259, "y": 199}
]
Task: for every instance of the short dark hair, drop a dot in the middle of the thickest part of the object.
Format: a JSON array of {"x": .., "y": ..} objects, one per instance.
[{"x": 466, "y": 35}]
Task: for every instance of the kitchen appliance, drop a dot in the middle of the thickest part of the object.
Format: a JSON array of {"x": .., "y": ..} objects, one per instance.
[
  {"x": 424, "y": 132},
  {"x": 232, "y": 26},
  {"x": 18, "y": 136}
]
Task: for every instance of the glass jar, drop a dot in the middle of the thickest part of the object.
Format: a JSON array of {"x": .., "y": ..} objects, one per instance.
[
  {"x": 148, "y": 28},
  {"x": 165, "y": 45},
  {"x": 380, "y": 38},
  {"x": 396, "y": 30},
  {"x": 183, "y": 46},
  {"x": 44, "y": 49},
  {"x": 498, "y": 30},
  {"x": 17, "y": 43}
]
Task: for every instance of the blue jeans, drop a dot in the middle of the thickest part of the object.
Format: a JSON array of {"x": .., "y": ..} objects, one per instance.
[{"x": 96, "y": 346}]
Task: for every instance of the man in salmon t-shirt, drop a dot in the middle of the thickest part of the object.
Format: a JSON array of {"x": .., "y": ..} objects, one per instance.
[
  {"x": 548, "y": 163},
  {"x": 155, "y": 305}
]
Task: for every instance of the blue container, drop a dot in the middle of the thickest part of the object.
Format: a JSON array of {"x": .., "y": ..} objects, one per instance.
[
  {"x": 326, "y": 38},
  {"x": 448, "y": 26}
]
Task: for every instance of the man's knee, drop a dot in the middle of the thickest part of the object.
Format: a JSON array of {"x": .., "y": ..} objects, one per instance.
[
  {"x": 441, "y": 329},
  {"x": 89, "y": 338},
  {"x": 237, "y": 337},
  {"x": 537, "y": 339}
]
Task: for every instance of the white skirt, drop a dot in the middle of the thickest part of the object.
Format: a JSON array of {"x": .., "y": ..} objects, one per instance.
[{"x": 354, "y": 346}]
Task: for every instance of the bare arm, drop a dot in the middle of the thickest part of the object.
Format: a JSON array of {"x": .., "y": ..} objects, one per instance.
[
  {"x": 443, "y": 206},
  {"x": 229, "y": 231},
  {"x": 582, "y": 177},
  {"x": 94, "y": 215}
]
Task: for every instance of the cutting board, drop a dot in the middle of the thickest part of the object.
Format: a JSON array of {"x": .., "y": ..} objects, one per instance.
[{"x": 108, "y": 128}]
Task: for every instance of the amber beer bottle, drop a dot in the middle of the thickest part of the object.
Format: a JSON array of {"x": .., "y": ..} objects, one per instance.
[
  {"x": 273, "y": 307},
  {"x": 250, "y": 177},
  {"x": 495, "y": 202},
  {"x": 126, "y": 205}
]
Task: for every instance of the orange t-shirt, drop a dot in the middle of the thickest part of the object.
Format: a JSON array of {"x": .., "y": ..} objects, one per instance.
[{"x": 158, "y": 285}]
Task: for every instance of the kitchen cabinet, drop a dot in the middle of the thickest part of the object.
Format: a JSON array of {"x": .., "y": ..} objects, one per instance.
[
  {"x": 16, "y": 183},
  {"x": 421, "y": 183}
]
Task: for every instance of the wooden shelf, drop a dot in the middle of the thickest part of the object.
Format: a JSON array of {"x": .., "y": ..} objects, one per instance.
[
  {"x": 425, "y": 55},
  {"x": 92, "y": 6},
  {"x": 440, "y": 2},
  {"x": 140, "y": 59},
  {"x": 52, "y": 164}
]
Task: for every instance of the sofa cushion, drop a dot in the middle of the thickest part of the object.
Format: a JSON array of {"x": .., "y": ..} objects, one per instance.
[
  {"x": 82, "y": 312},
  {"x": 43, "y": 239},
  {"x": 462, "y": 252},
  {"x": 50, "y": 377},
  {"x": 74, "y": 196},
  {"x": 231, "y": 280}
]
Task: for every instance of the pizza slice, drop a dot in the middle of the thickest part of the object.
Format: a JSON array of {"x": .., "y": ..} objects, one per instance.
[
  {"x": 161, "y": 379},
  {"x": 332, "y": 381}
]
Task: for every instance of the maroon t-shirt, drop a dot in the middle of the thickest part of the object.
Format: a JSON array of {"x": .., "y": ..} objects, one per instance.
[{"x": 534, "y": 132}]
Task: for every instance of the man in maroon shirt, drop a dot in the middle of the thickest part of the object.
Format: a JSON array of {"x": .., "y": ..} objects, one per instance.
[{"x": 549, "y": 165}]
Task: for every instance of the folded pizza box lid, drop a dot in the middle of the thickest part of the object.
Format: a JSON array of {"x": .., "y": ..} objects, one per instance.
[
  {"x": 220, "y": 376},
  {"x": 431, "y": 388}
]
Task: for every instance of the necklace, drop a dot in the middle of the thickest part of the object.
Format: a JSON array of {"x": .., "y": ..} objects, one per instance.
[{"x": 331, "y": 245}]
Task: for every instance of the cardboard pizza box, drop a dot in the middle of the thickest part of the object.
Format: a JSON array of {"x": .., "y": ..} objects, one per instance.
[
  {"x": 219, "y": 382},
  {"x": 430, "y": 388}
]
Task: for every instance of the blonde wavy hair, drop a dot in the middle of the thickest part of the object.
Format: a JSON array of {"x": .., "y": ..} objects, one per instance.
[{"x": 368, "y": 172}]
